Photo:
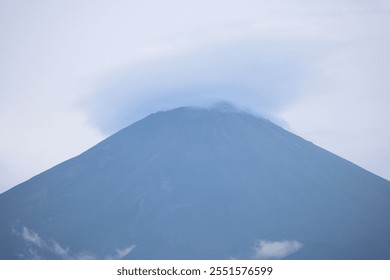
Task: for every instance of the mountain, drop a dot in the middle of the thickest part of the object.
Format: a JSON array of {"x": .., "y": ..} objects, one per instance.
[{"x": 192, "y": 183}]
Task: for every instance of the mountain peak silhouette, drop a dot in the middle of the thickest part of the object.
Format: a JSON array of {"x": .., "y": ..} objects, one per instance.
[{"x": 215, "y": 183}]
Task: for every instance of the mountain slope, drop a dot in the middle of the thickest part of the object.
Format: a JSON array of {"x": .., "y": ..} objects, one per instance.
[{"x": 199, "y": 184}]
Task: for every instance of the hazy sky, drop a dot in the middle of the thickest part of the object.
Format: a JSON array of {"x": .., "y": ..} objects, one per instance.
[{"x": 74, "y": 72}]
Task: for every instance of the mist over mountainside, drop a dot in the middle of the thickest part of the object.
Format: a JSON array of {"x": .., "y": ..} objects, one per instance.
[{"x": 193, "y": 183}]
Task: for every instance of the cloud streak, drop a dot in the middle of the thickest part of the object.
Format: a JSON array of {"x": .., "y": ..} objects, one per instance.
[{"x": 53, "y": 247}]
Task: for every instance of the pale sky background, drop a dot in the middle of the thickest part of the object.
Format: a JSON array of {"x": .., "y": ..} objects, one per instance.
[{"x": 74, "y": 72}]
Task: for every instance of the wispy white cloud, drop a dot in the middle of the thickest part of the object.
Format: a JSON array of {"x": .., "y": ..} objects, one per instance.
[
  {"x": 31, "y": 236},
  {"x": 55, "y": 248},
  {"x": 58, "y": 250},
  {"x": 275, "y": 249},
  {"x": 120, "y": 253}
]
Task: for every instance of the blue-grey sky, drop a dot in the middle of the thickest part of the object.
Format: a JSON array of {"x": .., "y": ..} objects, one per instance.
[{"x": 73, "y": 72}]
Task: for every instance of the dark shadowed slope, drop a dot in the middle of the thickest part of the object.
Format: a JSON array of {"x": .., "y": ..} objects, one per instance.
[{"x": 199, "y": 184}]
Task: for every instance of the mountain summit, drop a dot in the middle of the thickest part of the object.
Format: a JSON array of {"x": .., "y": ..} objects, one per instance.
[{"x": 194, "y": 183}]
